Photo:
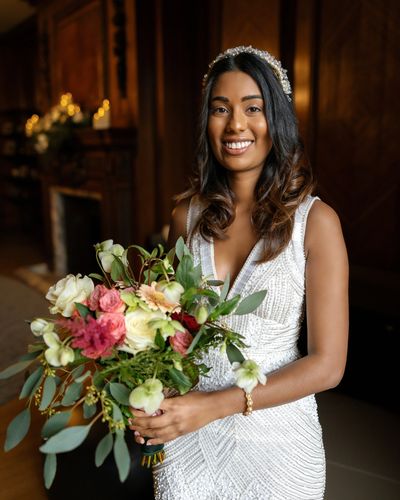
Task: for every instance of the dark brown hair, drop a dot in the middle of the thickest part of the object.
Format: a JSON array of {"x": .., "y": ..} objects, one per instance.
[{"x": 285, "y": 180}]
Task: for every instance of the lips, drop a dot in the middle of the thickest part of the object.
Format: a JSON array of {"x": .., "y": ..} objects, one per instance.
[{"x": 236, "y": 148}]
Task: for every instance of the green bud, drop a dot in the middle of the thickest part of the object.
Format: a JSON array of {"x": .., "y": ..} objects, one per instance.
[{"x": 201, "y": 315}]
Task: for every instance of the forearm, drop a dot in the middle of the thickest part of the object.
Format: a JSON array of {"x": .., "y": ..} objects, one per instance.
[{"x": 301, "y": 378}]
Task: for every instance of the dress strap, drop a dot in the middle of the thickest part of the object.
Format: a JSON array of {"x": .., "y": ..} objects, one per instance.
[{"x": 299, "y": 230}]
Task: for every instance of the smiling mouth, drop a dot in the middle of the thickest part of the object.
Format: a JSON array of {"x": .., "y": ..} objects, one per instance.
[{"x": 236, "y": 147}]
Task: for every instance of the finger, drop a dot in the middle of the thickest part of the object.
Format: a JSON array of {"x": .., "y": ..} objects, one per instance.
[{"x": 141, "y": 424}]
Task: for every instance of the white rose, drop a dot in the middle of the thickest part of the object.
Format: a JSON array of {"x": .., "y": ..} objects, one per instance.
[
  {"x": 140, "y": 333},
  {"x": 67, "y": 291},
  {"x": 40, "y": 326}
]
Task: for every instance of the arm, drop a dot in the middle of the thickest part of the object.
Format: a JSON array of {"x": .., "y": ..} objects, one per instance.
[
  {"x": 322, "y": 368},
  {"x": 177, "y": 226}
]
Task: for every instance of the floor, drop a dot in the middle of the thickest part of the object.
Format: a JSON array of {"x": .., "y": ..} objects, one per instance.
[{"x": 361, "y": 439}]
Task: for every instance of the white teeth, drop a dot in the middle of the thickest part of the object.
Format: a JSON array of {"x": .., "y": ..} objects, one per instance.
[{"x": 237, "y": 145}]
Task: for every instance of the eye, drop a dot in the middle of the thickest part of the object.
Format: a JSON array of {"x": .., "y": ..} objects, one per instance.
[
  {"x": 254, "y": 109},
  {"x": 219, "y": 110}
]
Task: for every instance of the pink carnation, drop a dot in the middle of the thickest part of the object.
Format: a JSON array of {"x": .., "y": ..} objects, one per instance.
[
  {"x": 181, "y": 341},
  {"x": 97, "y": 338},
  {"x": 106, "y": 300}
]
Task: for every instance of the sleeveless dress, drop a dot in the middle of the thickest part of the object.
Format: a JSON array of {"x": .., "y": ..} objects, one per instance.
[{"x": 276, "y": 453}]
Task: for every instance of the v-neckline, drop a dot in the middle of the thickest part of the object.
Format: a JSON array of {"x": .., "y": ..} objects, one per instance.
[{"x": 249, "y": 263}]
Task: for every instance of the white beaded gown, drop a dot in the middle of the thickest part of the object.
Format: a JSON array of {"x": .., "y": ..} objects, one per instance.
[{"x": 273, "y": 454}]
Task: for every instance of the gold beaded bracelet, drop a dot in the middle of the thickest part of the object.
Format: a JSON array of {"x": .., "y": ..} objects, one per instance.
[{"x": 249, "y": 404}]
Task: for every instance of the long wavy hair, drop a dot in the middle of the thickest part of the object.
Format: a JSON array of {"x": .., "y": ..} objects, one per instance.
[{"x": 286, "y": 177}]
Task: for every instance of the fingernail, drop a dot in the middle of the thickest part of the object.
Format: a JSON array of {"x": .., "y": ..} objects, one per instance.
[
  {"x": 137, "y": 433},
  {"x": 141, "y": 441}
]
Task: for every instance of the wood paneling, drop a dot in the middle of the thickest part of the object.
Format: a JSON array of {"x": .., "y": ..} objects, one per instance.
[
  {"x": 357, "y": 125},
  {"x": 78, "y": 59},
  {"x": 254, "y": 23}
]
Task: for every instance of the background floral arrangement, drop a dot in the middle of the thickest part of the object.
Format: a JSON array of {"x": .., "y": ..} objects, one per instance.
[
  {"x": 127, "y": 341},
  {"x": 53, "y": 130}
]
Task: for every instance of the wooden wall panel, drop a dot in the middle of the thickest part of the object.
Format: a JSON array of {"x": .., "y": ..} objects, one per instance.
[
  {"x": 254, "y": 23},
  {"x": 78, "y": 58},
  {"x": 357, "y": 125}
]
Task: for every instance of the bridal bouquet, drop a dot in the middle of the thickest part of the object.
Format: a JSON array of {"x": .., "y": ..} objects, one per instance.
[{"x": 118, "y": 341}]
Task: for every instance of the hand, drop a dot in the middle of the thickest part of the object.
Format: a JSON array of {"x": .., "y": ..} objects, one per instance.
[{"x": 180, "y": 415}]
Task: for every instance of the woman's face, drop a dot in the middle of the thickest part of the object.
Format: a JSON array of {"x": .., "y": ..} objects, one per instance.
[{"x": 237, "y": 126}]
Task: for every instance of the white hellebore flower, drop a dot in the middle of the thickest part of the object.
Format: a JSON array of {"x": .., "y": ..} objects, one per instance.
[
  {"x": 108, "y": 252},
  {"x": 67, "y": 291},
  {"x": 140, "y": 333},
  {"x": 57, "y": 354},
  {"x": 248, "y": 374},
  {"x": 39, "y": 326},
  {"x": 172, "y": 290},
  {"x": 147, "y": 396}
]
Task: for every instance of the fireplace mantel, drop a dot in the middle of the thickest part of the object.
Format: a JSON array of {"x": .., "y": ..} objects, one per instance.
[{"x": 99, "y": 166}]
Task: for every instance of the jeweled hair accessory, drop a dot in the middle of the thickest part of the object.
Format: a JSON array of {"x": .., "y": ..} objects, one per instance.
[{"x": 274, "y": 64}]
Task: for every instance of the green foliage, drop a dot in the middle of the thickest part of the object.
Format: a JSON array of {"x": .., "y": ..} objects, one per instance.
[
  {"x": 250, "y": 303},
  {"x": 103, "y": 449},
  {"x": 66, "y": 440},
  {"x": 225, "y": 288},
  {"x": 89, "y": 410},
  {"x": 50, "y": 469},
  {"x": 17, "y": 429},
  {"x": 83, "y": 310},
  {"x": 224, "y": 308},
  {"x": 29, "y": 387},
  {"x": 234, "y": 354},
  {"x": 120, "y": 393},
  {"x": 122, "y": 457},
  {"x": 72, "y": 394},
  {"x": 56, "y": 423},
  {"x": 15, "y": 368},
  {"x": 97, "y": 277},
  {"x": 49, "y": 390},
  {"x": 181, "y": 381},
  {"x": 159, "y": 340}
]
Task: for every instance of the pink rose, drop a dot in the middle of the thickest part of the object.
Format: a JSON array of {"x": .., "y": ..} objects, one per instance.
[
  {"x": 106, "y": 300},
  {"x": 114, "y": 323},
  {"x": 111, "y": 302},
  {"x": 181, "y": 341}
]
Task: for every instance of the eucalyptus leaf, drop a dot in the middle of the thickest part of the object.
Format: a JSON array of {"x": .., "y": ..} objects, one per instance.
[
  {"x": 31, "y": 382},
  {"x": 15, "y": 368},
  {"x": 49, "y": 389},
  {"x": 234, "y": 354},
  {"x": 214, "y": 282},
  {"x": 179, "y": 248},
  {"x": 30, "y": 356},
  {"x": 117, "y": 415},
  {"x": 72, "y": 394},
  {"x": 77, "y": 372},
  {"x": 17, "y": 429},
  {"x": 225, "y": 288},
  {"x": 185, "y": 274},
  {"x": 66, "y": 440},
  {"x": 50, "y": 469},
  {"x": 55, "y": 424},
  {"x": 120, "y": 393},
  {"x": 103, "y": 449},
  {"x": 84, "y": 376},
  {"x": 89, "y": 410},
  {"x": 224, "y": 308},
  {"x": 250, "y": 303},
  {"x": 122, "y": 457}
]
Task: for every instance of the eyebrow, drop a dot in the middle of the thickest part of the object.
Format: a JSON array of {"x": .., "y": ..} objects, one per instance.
[{"x": 245, "y": 98}]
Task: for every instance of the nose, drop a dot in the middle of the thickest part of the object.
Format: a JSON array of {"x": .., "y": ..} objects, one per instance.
[{"x": 237, "y": 121}]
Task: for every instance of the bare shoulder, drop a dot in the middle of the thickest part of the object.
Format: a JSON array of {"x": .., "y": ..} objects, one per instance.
[
  {"x": 178, "y": 221},
  {"x": 323, "y": 228}
]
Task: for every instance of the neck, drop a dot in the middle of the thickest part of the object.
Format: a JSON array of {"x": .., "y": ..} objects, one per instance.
[{"x": 243, "y": 185}]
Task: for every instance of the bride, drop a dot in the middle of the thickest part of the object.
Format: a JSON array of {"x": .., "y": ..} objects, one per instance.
[{"x": 250, "y": 215}]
